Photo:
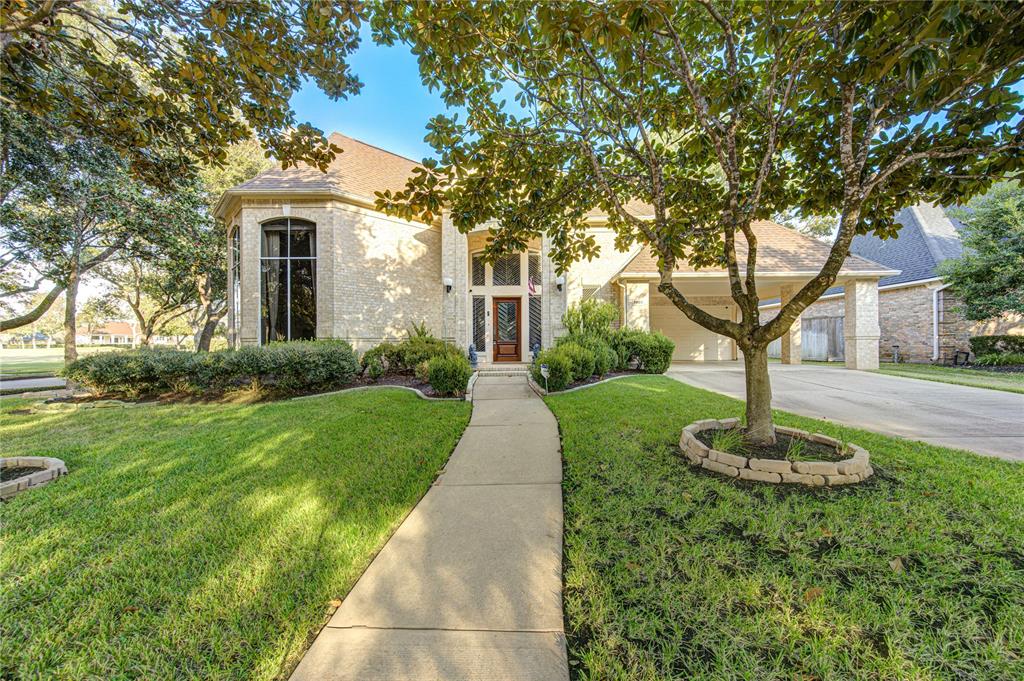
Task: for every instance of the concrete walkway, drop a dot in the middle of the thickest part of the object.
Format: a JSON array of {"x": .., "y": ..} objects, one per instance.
[
  {"x": 31, "y": 383},
  {"x": 470, "y": 585},
  {"x": 985, "y": 421}
]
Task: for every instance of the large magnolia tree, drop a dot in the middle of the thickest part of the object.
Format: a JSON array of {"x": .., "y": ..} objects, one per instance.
[
  {"x": 714, "y": 114},
  {"x": 190, "y": 75}
]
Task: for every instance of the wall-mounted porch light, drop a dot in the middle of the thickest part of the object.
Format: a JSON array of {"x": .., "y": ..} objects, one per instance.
[
  {"x": 448, "y": 283},
  {"x": 559, "y": 282}
]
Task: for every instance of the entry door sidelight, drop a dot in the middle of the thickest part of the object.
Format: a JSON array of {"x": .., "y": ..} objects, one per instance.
[{"x": 507, "y": 325}]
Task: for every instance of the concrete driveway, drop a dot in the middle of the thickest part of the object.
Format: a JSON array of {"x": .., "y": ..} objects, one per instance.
[{"x": 985, "y": 421}]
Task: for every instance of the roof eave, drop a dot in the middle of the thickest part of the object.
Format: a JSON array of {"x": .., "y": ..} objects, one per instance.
[
  {"x": 775, "y": 276},
  {"x": 347, "y": 197}
]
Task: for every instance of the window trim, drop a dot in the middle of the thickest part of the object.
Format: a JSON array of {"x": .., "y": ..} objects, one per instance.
[{"x": 288, "y": 258}]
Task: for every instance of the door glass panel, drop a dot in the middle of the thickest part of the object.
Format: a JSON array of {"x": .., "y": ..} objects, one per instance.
[
  {"x": 479, "y": 322},
  {"x": 508, "y": 322}
]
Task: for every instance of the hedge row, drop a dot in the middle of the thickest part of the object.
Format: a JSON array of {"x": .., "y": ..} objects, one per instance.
[
  {"x": 576, "y": 358},
  {"x": 992, "y": 345},
  {"x": 298, "y": 366}
]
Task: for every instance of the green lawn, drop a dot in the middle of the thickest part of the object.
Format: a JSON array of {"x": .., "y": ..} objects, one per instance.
[
  {"x": 1013, "y": 383},
  {"x": 673, "y": 572},
  {"x": 203, "y": 541},
  {"x": 18, "y": 362}
]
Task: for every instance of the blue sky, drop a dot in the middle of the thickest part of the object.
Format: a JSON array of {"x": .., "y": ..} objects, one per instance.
[{"x": 392, "y": 109}]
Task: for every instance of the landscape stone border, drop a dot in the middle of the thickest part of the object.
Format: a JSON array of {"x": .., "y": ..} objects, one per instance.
[
  {"x": 813, "y": 473},
  {"x": 49, "y": 470}
]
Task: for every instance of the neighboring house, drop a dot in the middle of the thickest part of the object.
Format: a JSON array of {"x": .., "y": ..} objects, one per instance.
[
  {"x": 917, "y": 313},
  {"x": 309, "y": 256},
  {"x": 108, "y": 333}
]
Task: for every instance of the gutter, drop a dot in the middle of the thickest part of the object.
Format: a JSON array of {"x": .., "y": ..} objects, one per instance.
[{"x": 935, "y": 321}]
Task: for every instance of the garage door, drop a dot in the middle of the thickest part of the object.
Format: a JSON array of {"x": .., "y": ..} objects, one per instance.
[{"x": 693, "y": 342}]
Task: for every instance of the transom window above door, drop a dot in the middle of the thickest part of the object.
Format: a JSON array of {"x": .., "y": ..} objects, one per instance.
[{"x": 514, "y": 269}]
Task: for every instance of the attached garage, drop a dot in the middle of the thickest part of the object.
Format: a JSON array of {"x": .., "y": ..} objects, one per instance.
[{"x": 693, "y": 342}]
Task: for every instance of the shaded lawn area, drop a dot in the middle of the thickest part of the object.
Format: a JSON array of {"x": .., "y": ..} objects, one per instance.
[
  {"x": 673, "y": 572},
  {"x": 203, "y": 541},
  {"x": 28, "y": 361},
  {"x": 1010, "y": 382}
]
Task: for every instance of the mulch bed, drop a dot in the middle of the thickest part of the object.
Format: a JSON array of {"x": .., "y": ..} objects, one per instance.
[
  {"x": 1008, "y": 369},
  {"x": 15, "y": 472},
  {"x": 403, "y": 380},
  {"x": 598, "y": 379},
  {"x": 812, "y": 451}
]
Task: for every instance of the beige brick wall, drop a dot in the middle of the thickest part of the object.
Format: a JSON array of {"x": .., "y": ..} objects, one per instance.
[{"x": 376, "y": 275}]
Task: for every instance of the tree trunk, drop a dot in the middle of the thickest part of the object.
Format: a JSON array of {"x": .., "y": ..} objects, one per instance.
[
  {"x": 70, "y": 325},
  {"x": 205, "y": 337},
  {"x": 760, "y": 430}
]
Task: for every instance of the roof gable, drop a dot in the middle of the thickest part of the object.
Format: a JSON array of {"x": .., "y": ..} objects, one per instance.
[
  {"x": 927, "y": 237},
  {"x": 360, "y": 170}
]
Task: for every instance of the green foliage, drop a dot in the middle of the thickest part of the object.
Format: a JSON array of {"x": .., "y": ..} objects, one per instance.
[
  {"x": 729, "y": 440},
  {"x": 374, "y": 367},
  {"x": 590, "y": 318},
  {"x": 605, "y": 359},
  {"x": 178, "y": 518},
  {"x": 989, "y": 345},
  {"x": 795, "y": 450},
  {"x": 686, "y": 123},
  {"x": 1001, "y": 359},
  {"x": 989, "y": 276},
  {"x": 581, "y": 359},
  {"x": 652, "y": 351},
  {"x": 194, "y": 76},
  {"x": 560, "y": 373},
  {"x": 449, "y": 373},
  {"x": 667, "y": 569},
  {"x": 297, "y": 366},
  {"x": 410, "y": 354}
]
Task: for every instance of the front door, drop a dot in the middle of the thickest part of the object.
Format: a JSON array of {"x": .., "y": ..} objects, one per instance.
[{"x": 506, "y": 330}]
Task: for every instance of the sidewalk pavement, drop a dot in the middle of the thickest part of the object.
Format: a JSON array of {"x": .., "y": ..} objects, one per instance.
[{"x": 469, "y": 587}]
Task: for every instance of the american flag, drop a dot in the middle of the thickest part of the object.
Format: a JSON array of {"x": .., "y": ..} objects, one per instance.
[{"x": 531, "y": 287}]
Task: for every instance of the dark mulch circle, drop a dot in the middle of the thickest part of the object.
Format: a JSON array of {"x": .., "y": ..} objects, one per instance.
[
  {"x": 15, "y": 472},
  {"x": 781, "y": 450}
]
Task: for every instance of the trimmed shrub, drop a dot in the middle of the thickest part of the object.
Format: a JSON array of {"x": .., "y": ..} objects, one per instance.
[
  {"x": 991, "y": 345},
  {"x": 559, "y": 369},
  {"x": 590, "y": 318},
  {"x": 406, "y": 356},
  {"x": 287, "y": 367},
  {"x": 449, "y": 374},
  {"x": 1001, "y": 359},
  {"x": 581, "y": 358},
  {"x": 422, "y": 371},
  {"x": 654, "y": 352},
  {"x": 605, "y": 359}
]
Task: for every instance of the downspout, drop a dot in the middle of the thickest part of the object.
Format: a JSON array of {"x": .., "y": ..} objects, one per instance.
[{"x": 935, "y": 321}]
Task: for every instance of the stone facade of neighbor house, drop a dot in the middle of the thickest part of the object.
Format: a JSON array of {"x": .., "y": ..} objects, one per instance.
[
  {"x": 309, "y": 256},
  {"x": 916, "y": 311}
]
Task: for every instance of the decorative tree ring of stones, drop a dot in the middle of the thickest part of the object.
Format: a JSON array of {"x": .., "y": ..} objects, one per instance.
[
  {"x": 49, "y": 470},
  {"x": 814, "y": 473}
]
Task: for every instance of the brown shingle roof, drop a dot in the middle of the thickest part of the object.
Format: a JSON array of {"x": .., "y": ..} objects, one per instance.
[
  {"x": 780, "y": 250},
  {"x": 361, "y": 169}
]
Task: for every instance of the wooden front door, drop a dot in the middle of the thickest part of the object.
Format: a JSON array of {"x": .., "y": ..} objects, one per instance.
[{"x": 507, "y": 324}]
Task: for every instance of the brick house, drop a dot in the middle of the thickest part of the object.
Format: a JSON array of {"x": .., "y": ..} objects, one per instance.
[
  {"x": 309, "y": 256},
  {"x": 916, "y": 310}
]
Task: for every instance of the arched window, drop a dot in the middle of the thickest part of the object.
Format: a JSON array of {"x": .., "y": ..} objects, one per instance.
[{"x": 288, "y": 280}]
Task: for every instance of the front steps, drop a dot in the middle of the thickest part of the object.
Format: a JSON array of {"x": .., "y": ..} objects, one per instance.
[{"x": 503, "y": 369}]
